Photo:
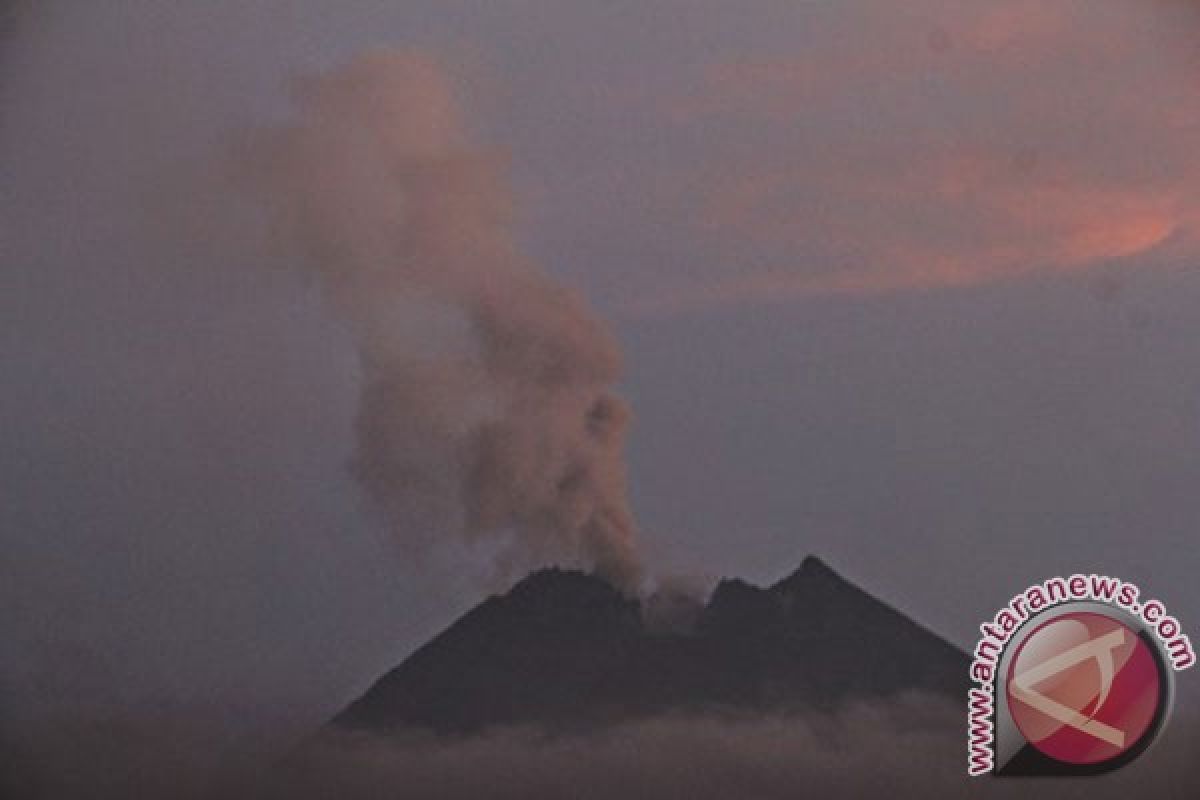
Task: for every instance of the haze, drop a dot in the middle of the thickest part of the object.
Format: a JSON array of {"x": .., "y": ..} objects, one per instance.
[{"x": 910, "y": 285}]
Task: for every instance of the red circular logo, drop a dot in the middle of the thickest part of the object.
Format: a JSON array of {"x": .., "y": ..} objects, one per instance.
[{"x": 1084, "y": 688}]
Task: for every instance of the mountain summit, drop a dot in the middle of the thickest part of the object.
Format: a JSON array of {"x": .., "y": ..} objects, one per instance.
[{"x": 566, "y": 650}]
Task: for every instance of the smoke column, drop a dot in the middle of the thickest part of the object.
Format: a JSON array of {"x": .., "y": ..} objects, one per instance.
[{"x": 486, "y": 410}]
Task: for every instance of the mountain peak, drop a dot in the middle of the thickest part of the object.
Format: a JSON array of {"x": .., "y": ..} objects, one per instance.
[
  {"x": 567, "y": 597},
  {"x": 812, "y": 571},
  {"x": 814, "y": 565},
  {"x": 557, "y": 580}
]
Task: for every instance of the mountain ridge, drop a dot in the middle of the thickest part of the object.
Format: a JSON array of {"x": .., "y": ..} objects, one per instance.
[{"x": 564, "y": 649}]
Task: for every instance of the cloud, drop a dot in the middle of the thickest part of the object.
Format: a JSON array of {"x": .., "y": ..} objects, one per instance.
[
  {"x": 935, "y": 144},
  {"x": 912, "y": 746},
  {"x": 486, "y": 386}
]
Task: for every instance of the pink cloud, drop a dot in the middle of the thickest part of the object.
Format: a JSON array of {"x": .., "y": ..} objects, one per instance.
[{"x": 931, "y": 144}]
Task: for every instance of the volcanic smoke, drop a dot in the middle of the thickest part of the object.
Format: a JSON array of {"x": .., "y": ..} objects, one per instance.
[{"x": 486, "y": 409}]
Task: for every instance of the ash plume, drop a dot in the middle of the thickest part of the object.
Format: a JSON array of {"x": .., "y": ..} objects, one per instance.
[{"x": 486, "y": 409}]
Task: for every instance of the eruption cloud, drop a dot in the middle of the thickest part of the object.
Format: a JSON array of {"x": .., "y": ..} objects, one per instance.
[{"x": 486, "y": 406}]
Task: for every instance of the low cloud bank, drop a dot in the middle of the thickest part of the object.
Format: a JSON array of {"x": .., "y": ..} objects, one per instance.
[{"x": 912, "y": 747}]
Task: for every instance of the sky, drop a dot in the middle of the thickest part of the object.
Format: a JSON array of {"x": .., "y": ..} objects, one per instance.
[{"x": 908, "y": 286}]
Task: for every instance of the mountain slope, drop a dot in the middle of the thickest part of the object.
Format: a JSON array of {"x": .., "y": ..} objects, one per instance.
[{"x": 566, "y": 650}]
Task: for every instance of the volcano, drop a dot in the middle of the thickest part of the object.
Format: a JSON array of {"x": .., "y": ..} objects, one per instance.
[{"x": 565, "y": 650}]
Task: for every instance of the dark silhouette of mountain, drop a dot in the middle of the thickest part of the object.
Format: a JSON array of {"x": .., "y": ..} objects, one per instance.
[{"x": 567, "y": 650}]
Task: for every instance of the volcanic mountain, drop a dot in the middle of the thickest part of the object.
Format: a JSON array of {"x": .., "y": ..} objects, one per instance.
[{"x": 566, "y": 650}]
